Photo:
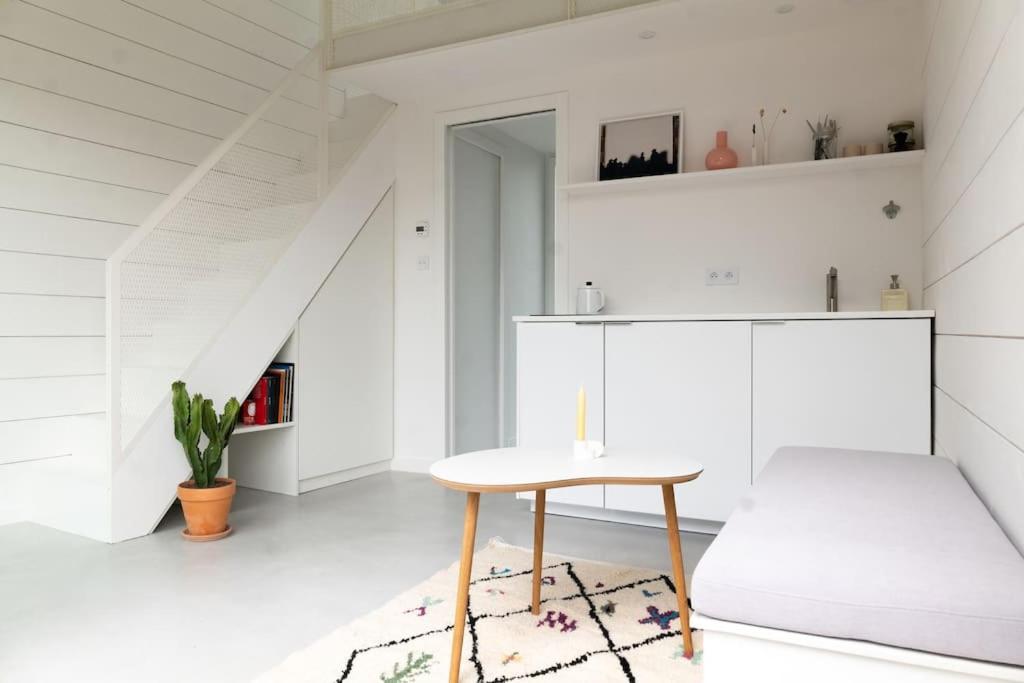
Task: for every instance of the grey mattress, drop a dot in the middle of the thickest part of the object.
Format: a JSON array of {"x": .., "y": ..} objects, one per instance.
[{"x": 883, "y": 547}]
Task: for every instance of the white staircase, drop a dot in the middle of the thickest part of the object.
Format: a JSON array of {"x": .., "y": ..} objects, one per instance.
[
  {"x": 206, "y": 290},
  {"x": 152, "y": 464}
]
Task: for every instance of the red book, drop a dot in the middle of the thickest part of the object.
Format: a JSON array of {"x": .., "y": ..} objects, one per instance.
[{"x": 260, "y": 397}]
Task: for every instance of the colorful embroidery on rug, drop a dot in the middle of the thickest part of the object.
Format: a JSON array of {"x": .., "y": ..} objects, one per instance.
[
  {"x": 422, "y": 609},
  {"x": 662, "y": 619},
  {"x": 415, "y": 666},
  {"x": 562, "y": 620}
]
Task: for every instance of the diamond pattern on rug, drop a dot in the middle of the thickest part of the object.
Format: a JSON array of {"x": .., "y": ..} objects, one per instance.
[{"x": 597, "y": 622}]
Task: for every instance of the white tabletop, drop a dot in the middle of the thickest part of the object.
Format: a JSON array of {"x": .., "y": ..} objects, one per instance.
[{"x": 530, "y": 469}]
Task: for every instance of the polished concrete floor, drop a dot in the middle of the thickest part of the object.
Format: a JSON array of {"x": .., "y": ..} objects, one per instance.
[{"x": 160, "y": 609}]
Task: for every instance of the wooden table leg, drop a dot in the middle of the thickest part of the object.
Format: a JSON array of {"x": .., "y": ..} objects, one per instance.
[
  {"x": 465, "y": 568},
  {"x": 675, "y": 549},
  {"x": 538, "y": 547}
]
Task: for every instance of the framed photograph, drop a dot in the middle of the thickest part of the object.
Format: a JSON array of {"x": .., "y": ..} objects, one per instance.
[{"x": 641, "y": 146}]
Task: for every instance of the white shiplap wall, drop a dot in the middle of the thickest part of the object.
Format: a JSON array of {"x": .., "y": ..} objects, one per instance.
[
  {"x": 105, "y": 106},
  {"x": 974, "y": 244}
]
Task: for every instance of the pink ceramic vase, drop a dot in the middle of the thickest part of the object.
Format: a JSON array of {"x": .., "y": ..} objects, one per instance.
[{"x": 721, "y": 156}]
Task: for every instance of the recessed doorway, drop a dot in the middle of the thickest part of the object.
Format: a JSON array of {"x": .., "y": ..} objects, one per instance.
[{"x": 501, "y": 246}]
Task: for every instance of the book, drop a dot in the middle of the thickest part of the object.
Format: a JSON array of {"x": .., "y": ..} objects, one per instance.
[
  {"x": 280, "y": 389},
  {"x": 273, "y": 382},
  {"x": 289, "y": 390},
  {"x": 271, "y": 400},
  {"x": 259, "y": 398}
]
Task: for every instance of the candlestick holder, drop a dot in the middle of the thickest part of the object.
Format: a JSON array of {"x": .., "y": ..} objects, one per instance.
[{"x": 587, "y": 450}]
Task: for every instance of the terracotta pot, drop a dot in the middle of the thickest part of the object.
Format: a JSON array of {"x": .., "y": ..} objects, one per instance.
[
  {"x": 206, "y": 510},
  {"x": 721, "y": 156}
]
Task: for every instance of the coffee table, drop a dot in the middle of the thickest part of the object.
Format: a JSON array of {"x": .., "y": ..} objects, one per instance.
[{"x": 512, "y": 470}]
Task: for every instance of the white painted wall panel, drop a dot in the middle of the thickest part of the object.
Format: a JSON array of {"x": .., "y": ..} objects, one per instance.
[
  {"x": 43, "y": 233},
  {"x": 990, "y": 209},
  {"x": 999, "y": 102},
  {"x": 986, "y": 375},
  {"x": 952, "y": 29},
  {"x": 233, "y": 29},
  {"x": 48, "y": 193},
  {"x": 58, "y": 34},
  {"x": 141, "y": 26},
  {"x": 28, "y": 106},
  {"x": 59, "y": 275},
  {"x": 42, "y": 151},
  {"x": 974, "y": 254},
  {"x": 26, "y": 399},
  {"x": 39, "y": 316},
  {"x": 266, "y": 13},
  {"x": 53, "y": 73},
  {"x": 22, "y": 357},
  {"x": 988, "y": 29},
  {"x": 993, "y": 466},
  {"x": 983, "y": 297}
]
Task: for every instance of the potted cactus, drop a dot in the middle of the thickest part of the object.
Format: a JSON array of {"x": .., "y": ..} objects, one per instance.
[{"x": 205, "y": 498}]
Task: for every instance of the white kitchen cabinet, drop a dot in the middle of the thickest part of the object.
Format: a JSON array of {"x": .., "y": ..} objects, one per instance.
[
  {"x": 554, "y": 361},
  {"x": 863, "y": 384},
  {"x": 681, "y": 387},
  {"x": 726, "y": 391}
]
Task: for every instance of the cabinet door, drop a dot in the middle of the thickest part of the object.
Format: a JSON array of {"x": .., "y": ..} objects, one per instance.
[
  {"x": 863, "y": 384},
  {"x": 344, "y": 373},
  {"x": 554, "y": 361},
  {"x": 681, "y": 387}
]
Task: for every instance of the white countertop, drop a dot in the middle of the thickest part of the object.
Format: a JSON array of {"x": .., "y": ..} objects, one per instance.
[{"x": 671, "y": 317}]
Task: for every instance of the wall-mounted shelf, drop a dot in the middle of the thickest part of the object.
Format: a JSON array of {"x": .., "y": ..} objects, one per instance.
[
  {"x": 249, "y": 429},
  {"x": 748, "y": 173}
]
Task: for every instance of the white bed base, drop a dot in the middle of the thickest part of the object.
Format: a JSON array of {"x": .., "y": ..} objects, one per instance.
[{"x": 738, "y": 653}]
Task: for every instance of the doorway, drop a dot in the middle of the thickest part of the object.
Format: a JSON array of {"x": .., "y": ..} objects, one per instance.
[{"x": 501, "y": 198}]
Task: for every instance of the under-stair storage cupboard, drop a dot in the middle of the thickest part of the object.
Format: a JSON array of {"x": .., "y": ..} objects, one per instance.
[
  {"x": 343, "y": 350},
  {"x": 726, "y": 391}
]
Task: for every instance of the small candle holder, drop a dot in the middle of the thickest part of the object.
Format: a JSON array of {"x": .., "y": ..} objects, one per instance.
[{"x": 587, "y": 450}]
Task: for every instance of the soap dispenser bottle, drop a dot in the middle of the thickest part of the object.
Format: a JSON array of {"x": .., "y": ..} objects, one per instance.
[{"x": 895, "y": 298}]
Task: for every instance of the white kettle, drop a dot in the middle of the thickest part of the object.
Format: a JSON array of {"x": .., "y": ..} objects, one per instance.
[{"x": 589, "y": 300}]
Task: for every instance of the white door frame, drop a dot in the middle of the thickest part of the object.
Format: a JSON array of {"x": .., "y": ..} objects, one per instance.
[{"x": 443, "y": 121}]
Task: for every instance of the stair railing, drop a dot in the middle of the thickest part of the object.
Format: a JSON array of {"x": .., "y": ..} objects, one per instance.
[{"x": 173, "y": 285}]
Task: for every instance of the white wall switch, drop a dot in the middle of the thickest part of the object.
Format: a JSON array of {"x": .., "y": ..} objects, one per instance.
[
  {"x": 423, "y": 263},
  {"x": 721, "y": 276}
]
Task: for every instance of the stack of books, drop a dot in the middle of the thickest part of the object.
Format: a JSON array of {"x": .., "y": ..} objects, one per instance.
[{"x": 270, "y": 401}]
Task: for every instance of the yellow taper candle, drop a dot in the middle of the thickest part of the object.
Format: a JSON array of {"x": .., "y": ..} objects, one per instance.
[{"x": 581, "y": 415}]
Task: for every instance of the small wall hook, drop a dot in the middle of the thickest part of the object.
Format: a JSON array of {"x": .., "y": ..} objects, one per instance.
[{"x": 891, "y": 210}]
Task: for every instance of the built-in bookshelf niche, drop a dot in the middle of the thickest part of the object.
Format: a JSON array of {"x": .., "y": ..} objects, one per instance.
[
  {"x": 265, "y": 455},
  {"x": 271, "y": 402}
]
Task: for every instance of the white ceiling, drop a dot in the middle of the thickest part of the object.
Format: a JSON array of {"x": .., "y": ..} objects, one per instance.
[{"x": 606, "y": 38}]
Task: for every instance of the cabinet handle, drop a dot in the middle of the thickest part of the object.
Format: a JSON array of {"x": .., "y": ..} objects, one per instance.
[
  {"x": 587, "y": 322},
  {"x": 768, "y": 322}
]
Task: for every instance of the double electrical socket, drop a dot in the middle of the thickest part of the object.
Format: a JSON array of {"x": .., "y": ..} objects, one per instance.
[{"x": 721, "y": 276}]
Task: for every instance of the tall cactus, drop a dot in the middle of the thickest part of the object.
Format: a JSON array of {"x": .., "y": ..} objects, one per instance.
[{"x": 195, "y": 415}]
